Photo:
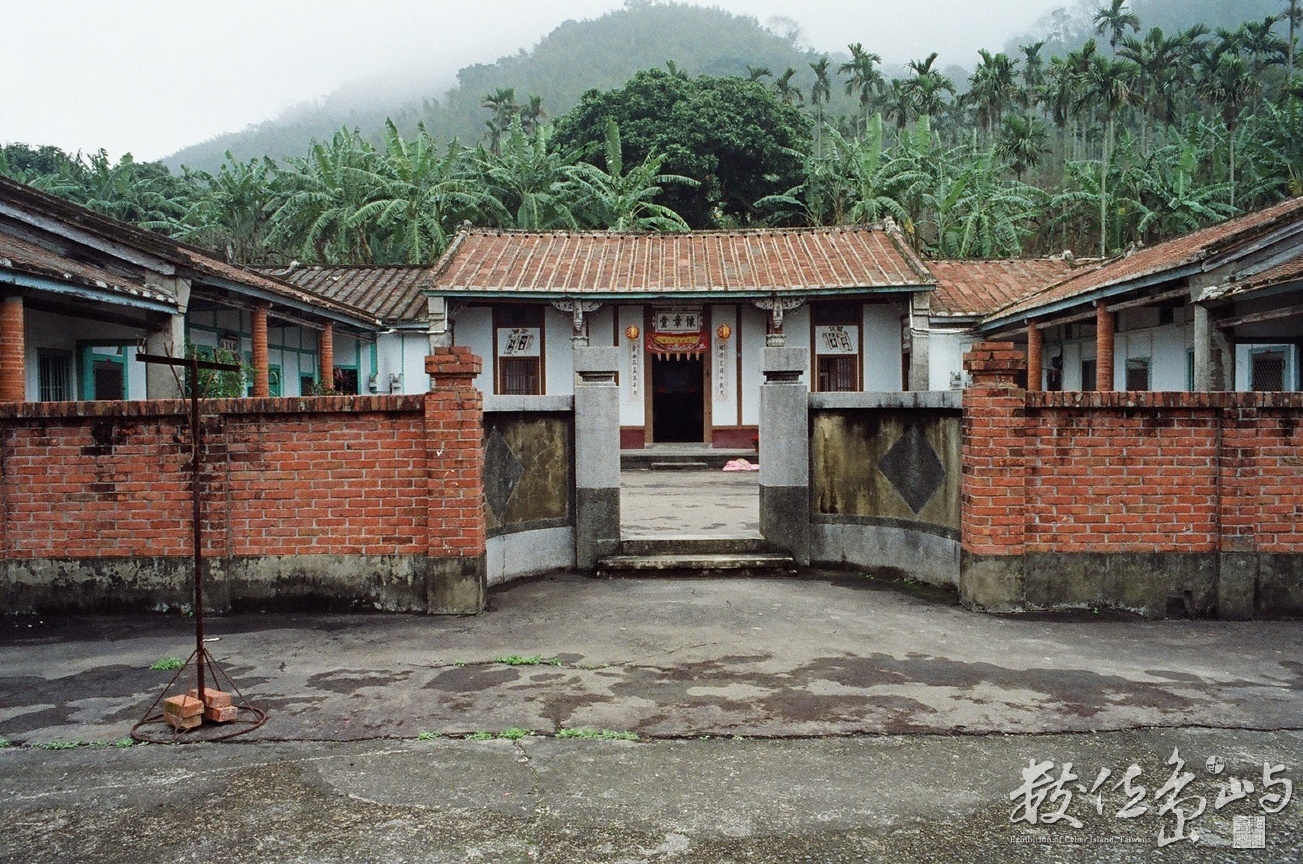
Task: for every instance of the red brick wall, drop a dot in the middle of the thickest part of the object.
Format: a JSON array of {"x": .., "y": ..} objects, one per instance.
[
  {"x": 1127, "y": 472},
  {"x": 362, "y": 475}
]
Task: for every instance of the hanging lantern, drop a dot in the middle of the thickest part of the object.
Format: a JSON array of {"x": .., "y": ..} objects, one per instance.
[
  {"x": 723, "y": 331},
  {"x": 631, "y": 332}
]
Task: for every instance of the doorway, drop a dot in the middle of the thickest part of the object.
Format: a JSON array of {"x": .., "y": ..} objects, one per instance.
[{"x": 678, "y": 400}]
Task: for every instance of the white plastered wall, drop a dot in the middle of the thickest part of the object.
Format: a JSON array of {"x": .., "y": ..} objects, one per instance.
[
  {"x": 723, "y": 366},
  {"x": 473, "y": 328},
  {"x": 558, "y": 328},
  {"x": 946, "y": 358},
  {"x": 754, "y": 325},
  {"x": 882, "y": 358},
  {"x": 633, "y": 371}
]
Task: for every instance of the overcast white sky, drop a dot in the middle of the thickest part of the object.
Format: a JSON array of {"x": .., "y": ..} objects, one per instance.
[{"x": 151, "y": 76}]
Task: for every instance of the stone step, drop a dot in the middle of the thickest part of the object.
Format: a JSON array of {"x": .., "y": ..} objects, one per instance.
[
  {"x": 696, "y": 565},
  {"x": 689, "y": 544},
  {"x": 682, "y": 458}
]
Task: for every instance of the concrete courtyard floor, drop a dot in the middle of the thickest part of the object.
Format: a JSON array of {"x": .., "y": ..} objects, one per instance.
[{"x": 829, "y": 718}]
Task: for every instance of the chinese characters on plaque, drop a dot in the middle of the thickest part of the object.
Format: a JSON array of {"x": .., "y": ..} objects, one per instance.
[
  {"x": 518, "y": 341},
  {"x": 837, "y": 339},
  {"x": 722, "y": 356},
  {"x": 677, "y": 332}
]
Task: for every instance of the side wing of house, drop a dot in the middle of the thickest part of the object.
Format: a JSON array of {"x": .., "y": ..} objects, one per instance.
[
  {"x": 1217, "y": 309},
  {"x": 84, "y": 294}
]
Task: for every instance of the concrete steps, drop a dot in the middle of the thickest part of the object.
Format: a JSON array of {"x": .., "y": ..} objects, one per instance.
[
  {"x": 681, "y": 457},
  {"x": 696, "y": 557}
]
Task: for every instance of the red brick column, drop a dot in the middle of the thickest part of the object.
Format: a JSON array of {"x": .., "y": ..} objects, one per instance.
[
  {"x": 13, "y": 354},
  {"x": 454, "y": 428},
  {"x": 1104, "y": 325},
  {"x": 261, "y": 389},
  {"x": 993, "y": 484},
  {"x": 326, "y": 357},
  {"x": 1035, "y": 355}
]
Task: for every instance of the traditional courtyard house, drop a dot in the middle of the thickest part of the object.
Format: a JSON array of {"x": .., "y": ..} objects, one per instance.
[
  {"x": 967, "y": 290},
  {"x": 394, "y": 360},
  {"x": 1220, "y": 308},
  {"x": 690, "y": 314},
  {"x": 81, "y": 292}
]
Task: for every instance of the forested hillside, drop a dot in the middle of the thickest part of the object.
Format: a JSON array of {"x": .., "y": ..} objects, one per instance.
[
  {"x": 577, "y": 56},
  {"x": 1135, "y": 135}
]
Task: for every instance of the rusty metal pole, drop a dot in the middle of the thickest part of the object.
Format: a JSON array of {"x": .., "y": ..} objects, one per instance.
[{"x": 195, "y": 443}]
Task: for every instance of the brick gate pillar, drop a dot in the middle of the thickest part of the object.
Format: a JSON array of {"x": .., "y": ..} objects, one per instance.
[
  {"x": 785, "y": 452},
  {"x": 455, "y": 526},
  {"x": 597, "y": 455},
  {"x": 993, "y": 486}
]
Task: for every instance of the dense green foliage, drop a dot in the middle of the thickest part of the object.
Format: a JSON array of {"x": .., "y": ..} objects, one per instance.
[
  {"x": 730, "y": 135},
  {"x": 1130, "y": 139}
]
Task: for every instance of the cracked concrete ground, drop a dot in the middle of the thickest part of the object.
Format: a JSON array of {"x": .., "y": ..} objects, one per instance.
[
  {"x": 829, "y": 705},
  {"x": 836, "y": 655},
  {"x": 822, "y": 719}
]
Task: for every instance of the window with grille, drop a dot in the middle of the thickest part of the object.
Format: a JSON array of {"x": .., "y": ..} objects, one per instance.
[
  {"x": 518, "y": 376},
  {"x": 518, "y": 332},
  {"x": 54, "y": 372},
  {"x": 1138, "y": 373},
  {"x": 1267, "y": 369},
  {"x": 837, "y": 373}
]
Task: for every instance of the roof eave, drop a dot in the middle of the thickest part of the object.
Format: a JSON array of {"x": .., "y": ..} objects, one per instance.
[
  {"x": 86, "y": 292},
  {"x": 709, "y": 295},
  {"x": 332, "y": 311},
  {"x": 997, "y": 321}
]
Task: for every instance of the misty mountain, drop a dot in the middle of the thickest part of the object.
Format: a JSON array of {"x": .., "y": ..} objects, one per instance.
[
  {"x": 1068, "y": 27},
  {"x": 575, "y": 57}
]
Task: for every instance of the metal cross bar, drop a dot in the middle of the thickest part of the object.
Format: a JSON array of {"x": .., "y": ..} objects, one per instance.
[{"x": 192, "y": 366}]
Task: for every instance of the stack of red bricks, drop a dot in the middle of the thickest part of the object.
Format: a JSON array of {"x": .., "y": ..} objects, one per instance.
[{"x": 190, "y": 711}]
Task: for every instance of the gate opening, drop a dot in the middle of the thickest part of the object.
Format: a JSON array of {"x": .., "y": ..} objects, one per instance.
[{"x": 678, "y": 400}]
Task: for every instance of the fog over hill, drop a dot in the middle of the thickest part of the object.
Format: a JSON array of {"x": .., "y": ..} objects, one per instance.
[
  {"x": 604, "y": 52},
  {"x": 575, "y": 57}
]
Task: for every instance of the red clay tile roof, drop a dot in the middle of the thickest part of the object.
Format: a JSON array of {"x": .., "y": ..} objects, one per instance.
[
  {"x": 976, "y": 287},
  {"x": 185, "y": 257},
  {"x": 732, "y": 262},
  {"x": 391, "y": 293},
  {"x": 1286, "y": 271},
  {"x": 23, "y": 257},
  {"x": 1169, "y": 255}
]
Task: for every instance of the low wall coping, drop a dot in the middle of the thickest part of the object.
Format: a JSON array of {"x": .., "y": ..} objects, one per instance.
[
  {"x": 181, "y": 407},
  {"x": 528, "y": 403},
  {"x": 1150, "y": 399},
  {"x": 946, "y": 400}
]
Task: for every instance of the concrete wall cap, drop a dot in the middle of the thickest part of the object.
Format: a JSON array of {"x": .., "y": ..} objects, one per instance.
[
  {"x": 784, "y": 360},
  {"x": 597, "y": 359},
  {"x": 528, "y": 403},
  {"x": 946, "y": 400}
]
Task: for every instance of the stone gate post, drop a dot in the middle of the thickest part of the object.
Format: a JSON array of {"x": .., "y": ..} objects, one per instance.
[
  {"x": 785, "y": 452},
  {"x": 597, "y": 455}
]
